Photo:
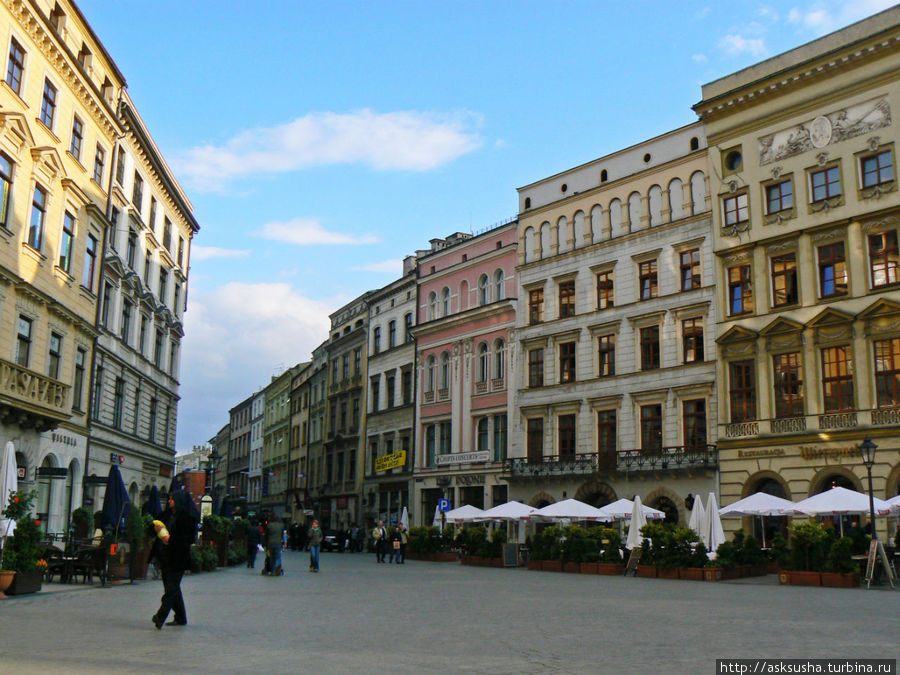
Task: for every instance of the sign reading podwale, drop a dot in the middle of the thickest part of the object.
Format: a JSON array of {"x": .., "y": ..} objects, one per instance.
[
  {"x": 391, "y": 461},
  {"x": 463, "y": 458}
]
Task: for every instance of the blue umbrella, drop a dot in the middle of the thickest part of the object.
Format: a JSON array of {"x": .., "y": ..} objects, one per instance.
[
  {"x": 115, "y": 502},
  {"x": 152, "y": 506},
  {"x": 225, "y": 508}
]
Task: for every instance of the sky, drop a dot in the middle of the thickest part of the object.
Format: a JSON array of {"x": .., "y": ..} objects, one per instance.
[{"x": 321, "y": 142}]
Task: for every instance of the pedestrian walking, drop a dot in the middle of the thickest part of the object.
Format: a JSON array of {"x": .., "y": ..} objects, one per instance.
[
  {"x": 274, "y": 542},
  {"x": 360, "y": 539},
  {"x": 394, "y": 545},
  {"x": 177, "y": 531},
  {"x": 315, "y": 545},
  {"x": 404, "y": 540},
  {"x": 379, "y": 534},
  {"x": 254, "y": 537}
]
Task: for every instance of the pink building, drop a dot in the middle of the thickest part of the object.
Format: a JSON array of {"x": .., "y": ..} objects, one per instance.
[{"x": 466, "y": 309}]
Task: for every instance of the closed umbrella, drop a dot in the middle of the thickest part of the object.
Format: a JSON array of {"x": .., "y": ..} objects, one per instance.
[
  {"x": 635, "y": 538},
  {"x": 715, "y": 532},
  {"x": 9, "y": 483},
  {"x": 152, "y": 506},
  {"x": 404, "y": 519},
  {"x": 698, "y": 518},
  {"x": 225, "y": 508},
  {"x": 437, "y": 521},
  {"x": 115, "y": 501}
]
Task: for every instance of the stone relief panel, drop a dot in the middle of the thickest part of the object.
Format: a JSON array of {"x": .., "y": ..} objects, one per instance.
[{"x": 824, "y": 130}]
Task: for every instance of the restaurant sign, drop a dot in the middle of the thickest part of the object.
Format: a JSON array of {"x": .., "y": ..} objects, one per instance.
[
  {"x": 392, "y": 461},
  {"x": 463, "y": 458},
  {"x": 812, "y": 452}
]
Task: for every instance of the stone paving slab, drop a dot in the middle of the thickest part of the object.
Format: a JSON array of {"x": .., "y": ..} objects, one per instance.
[{"x": 357, "y": 616}]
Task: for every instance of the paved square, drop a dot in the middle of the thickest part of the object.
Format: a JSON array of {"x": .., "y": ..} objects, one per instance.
[{"x": 356, "y": 616}]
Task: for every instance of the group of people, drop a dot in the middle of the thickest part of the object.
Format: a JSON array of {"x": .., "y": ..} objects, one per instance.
[{"x": 390, "y": 542}]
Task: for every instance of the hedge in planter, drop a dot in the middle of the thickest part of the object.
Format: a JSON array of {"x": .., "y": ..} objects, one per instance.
[
  {"x": 841, "y": 571},
  {"x": 22, "y": 552}
]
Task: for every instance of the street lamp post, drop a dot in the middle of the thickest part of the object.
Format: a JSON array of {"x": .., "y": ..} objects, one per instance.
[
  {"x": 213, "y": 463},
  {"x": 867, "y": 450}
]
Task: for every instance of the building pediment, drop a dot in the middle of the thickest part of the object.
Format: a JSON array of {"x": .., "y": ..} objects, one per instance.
[
  {"x": 831, "y": 317},
  {"x": 48, "y": 165},
  {"x": 780, "y": 326},
  {"x": 881, "y": 307},
  {"x": 737, "y": 334},
  {"x": 14, "y": 132}
]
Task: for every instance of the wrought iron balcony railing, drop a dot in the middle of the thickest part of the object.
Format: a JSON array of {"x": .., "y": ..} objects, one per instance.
[{"x": 673, "y": 458}]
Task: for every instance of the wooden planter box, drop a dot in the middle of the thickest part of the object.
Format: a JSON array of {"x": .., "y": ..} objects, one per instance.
[
  {"x": 589, "y": 567},
  {"x": 535, "y": 565},
  {"x": 840, "y": 580},
  {"x": 610, "y": 568},
  {"x": 691, "y": 573},
  {"x": 795, "y": 578},
  {"x": 667, "y": 572},
  {"x": 25, "y": 582},
  {"x": 712, "y": 574},
  {"x": 494, "y": 562},
  {"x": 733, "y": 573},
  {"x": 648, "y": 571},
  {"x": 743, "y": 571},
  {"x": 552, "y": 566},
  {"x": 572, "y": 567},
  {"x": 773, "y": 568},
  {"x": 141, "y": 561},
  {"x": 443, "y": 556},
  {"x": 759, "y": 570}
]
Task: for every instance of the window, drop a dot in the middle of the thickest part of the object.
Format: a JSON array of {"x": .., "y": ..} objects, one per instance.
[
  {"x": 692, "y": 340},
  {"x": 535, "y": 439},
  {"x": 779, "y": 197},
  {"x": 357, "y": 361},
  {"x": 389, "y": 391},
  {"x": 651, "y": 427},
  {"x": 887, "y": 372},
  {"x": 536, "y": 367},
  {"x": 181, "y": 257},
  {"x": 694, "y": 419},
  {"x": 23, "y": 341},
  {"x": 131, "y": 247},
  {"x": 788, "y": 385},
  {"x": 120, "y": 166},
  {"x": 740, "y": 290},
  {"x": 106, "y": 303},
  {"x": 392, "y": 333},
  {"x": 606, "y": 432},
  {"x": 832, "y": 270},
  {"x": 484, "y": 290},
  {"x": 376, "y": 339},
  {"x": 429, "y": 444},
  {"x": 445, "y": 302},
  {"x": 446, "y": 429},
  {"x": 137, "y": 192},
  {"x": 690, "y": 269},
  {"x": 883, "y": 258},
  {"x": 567, "y": 438},
  {"x": 606, "y": 352},
  {"x": 118, "y": 402},
  {"x": 142, "y": 337},
  {"x": 499, "y": 359},
  {"x": 163, "y": 281},
  {"x": 432, "y": 306},
  {"x": 407, "y": 325},
  {"x": 649, "y": 347},
  {"x": 499, "y": 292},
  {"x": 65, "y": 243},
  {"x": 406, "y": 386},
  {"x": 483, "y": 362},
  {"x": 837, "y": 379},
  {"x": 500, "y": 434},
  {"x": 48, "y": 104},
  {"x": 38, "y": 211},
  {"x": 876, "y": 169},
  {"x": 126, "y": 320},
  {"x": 742, "y": 391},
  {"x": 16, "y": 66},
  {"x": 167, "y": 234},
  {"x": 536, "y": 306},
  {"x": 151, "y": 430},
  {"x": 99, "y": 162},
  {"x": 173, "y": 357},
  {"x": 376, "y": 392},
  {"x": 647, "y": 279},
  {"x": 784, "y": 280},
  {"x": 736, "y": 210},
  {"x": 78, "y": 381},
  {"x": 147, "y": 268},
  {"x": 482, "y": 434},
  {"x": 77, "y": 138},
  {"x": 54, "y": 355},
  {"x": 825, "y": 184},
  {"x": 566, "y": 299},
  {"x": 158, "y": 348},
  {"x": 6, "y": 168},
  {"x": 567, "y": 362},
  {"x": 97, "y": 393},
  {"x": 345, "y": 366},
  {"x": 429, "y": 374},
  {"x": 605, "y": 295}
]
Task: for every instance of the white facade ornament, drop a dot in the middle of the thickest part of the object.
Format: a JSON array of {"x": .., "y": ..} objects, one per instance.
[{"x": 820, "y": 132}]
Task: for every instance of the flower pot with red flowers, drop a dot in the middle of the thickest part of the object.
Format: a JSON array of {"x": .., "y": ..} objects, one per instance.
[{"x": 22, "y": 552}]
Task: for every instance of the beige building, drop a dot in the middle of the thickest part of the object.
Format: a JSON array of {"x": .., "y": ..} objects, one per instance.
[
  {"x": 298, "y": 448},
  {"x": 276, "y": 441},
  {"x": 806, "y": 215}
]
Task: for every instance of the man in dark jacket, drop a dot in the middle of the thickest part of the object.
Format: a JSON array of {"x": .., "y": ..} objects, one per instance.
[
  {"x": 174, "y": 552},
  {"x": 253, "y": 541},
  {"x": 274, "y": 541}
]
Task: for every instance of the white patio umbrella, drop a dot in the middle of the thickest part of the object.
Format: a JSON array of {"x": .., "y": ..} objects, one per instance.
[
  {"x": 464, "y": 514},
  {"x": 508, "y": 511},
  {"x": 9, "y": 483},
  {"x": 697, "y": 520},
  {"x": 759, "y": 504},
  {"x": 895, "y": 503},
  {"x": 715, "y": 533},
  {"x": 621, "y": 510},
  {"x": 635, "y": 538},
  {"x": 569, "y": 509},
  {"x": 436, "y": 521},
  {"x": 404, "y": 519},
  {"x": 839, "y": 501}
]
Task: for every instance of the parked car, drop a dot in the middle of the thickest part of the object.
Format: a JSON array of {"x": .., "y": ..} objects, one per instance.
[{"x": 331, "y": 541}]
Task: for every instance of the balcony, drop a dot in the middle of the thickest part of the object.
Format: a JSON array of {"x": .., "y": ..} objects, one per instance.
[
  {"x": 824, "y": 422},
  {"x": 676, "y": 458},
  {"x": 30, "y": 399}
]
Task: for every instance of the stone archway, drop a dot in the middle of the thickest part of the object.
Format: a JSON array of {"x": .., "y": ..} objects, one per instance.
[
  {"x": 892, "y": 484},
  {"x": 768, "y": 482},
  {"x": 668, "y": 501},
  {"x": 541, "y": 499},
  {"x": 596, "y": 493},
  {"x": 832, "y": 476}
]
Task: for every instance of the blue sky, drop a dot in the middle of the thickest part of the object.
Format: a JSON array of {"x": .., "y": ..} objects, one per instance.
[{"x": 320, "y": 142}]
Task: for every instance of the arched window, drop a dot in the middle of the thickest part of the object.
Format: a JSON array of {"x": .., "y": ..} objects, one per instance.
[
  {"x": 530, "y": 241},
  {"x": 634, "y": 211},
  {"x": 654, "y": 196},
  {"x": 545, "y": 240},
  {"x": 527, "y": 202},
  {"x": 603, "y": 176},
  {"x": 695, "y": 143},
  {"x": 483, "y": 362},
  {"x": 432, "y": 306},
  {"x": 596, "y": 222},
  {"x": 499, "y": 292},
  {"x": 615, "y": 218},
  {"x": 676, "y": 199},
  {"x": 499, "y": 359},
  {"x": 698, "y": 192},
  {"x": 429, "y": 374},
  {"x": 563, "y": 234},
  {"x": 579, "y": 229},
  {"x": 445, "y": 371},
  {"x": 484, "y": 290},
  {"x": 445, "y": 302}
]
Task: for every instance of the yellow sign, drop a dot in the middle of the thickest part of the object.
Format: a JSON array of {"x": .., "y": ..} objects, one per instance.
[{"x": 390, "y": 461}]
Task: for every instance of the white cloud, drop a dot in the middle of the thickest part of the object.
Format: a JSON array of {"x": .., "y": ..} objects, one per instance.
[
  {"x": 236, "y": 337},
  {"x": 403, "y": 140},
  {"x": 768, "y": 13},
  {"x": 819, "y": 19},
  {"x": 308, "y": 232},
  {"x": 385, "y": 267},
  {"x": 699, "y": 58},
  {"x": 212, "y": 252},
  {"x": 736, "y": 45}
]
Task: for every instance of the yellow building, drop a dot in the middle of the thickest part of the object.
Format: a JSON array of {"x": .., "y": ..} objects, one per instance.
[{"x": 806, "y": 214}]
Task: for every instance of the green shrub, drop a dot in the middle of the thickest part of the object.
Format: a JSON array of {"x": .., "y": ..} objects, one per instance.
[
  {"x": 545, "y": 543},
  {"x": 23, "y": 548},
  {"x": 444, "y": 539},
  {"x": 780, "y": 553},
  {"x": 726, "y": 555},
  {"x": 237, "y": 552},
  {"x": 667, "y": 545},
  {"x": 840, "y": 557},
  {"x": 750, "y": 552},
  {"x": 810, "y": 543},
  {"x": 700, "y": 556},
  {"x": 576, "y": 544},
  {"x": 610, "y": 544}
]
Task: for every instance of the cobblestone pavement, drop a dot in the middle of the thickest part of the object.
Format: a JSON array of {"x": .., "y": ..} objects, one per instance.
[{"x": 357, "y": 616}]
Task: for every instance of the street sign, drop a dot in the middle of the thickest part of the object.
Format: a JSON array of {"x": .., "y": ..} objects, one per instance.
[
  {"x": 463, "y": 458},
  {"x": 443, "y": 505}
]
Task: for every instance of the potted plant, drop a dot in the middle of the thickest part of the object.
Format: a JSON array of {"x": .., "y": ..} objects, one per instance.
[
  {"x": 22, "y": 552},
  {"x": 840, "y": 569},
  {"x": 750, "y": 556},
  {"x": 779, "y": 554},
  {"x": 81, "y": 522},
  {"x": 552, "y": 557},
  {"x": 573, "y": 548},
  {"x": 810, "y": 548},
  {"x": 696, "y": 561},
  {"x": 611, "y": 553},
  {"x": 712, "y": 570}
]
